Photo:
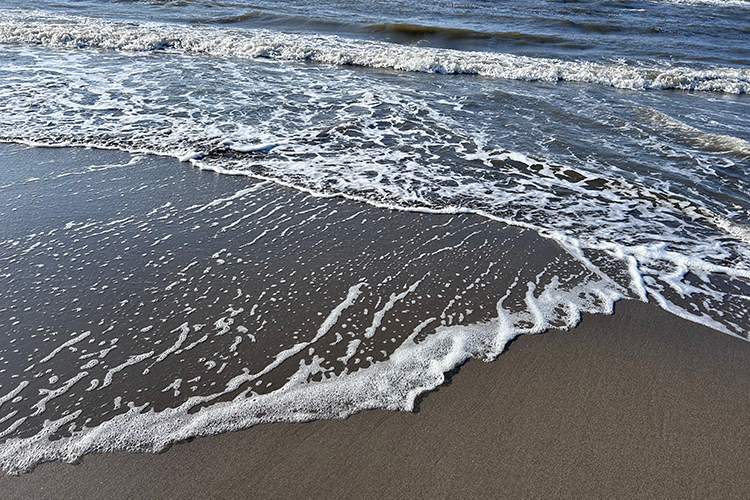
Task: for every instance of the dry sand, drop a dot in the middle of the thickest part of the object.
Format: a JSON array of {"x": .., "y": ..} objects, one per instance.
[{"x": 636, "y": 405}]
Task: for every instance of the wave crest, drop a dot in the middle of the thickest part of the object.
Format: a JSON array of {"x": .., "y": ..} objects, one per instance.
[{"x": 82, "y": 33}]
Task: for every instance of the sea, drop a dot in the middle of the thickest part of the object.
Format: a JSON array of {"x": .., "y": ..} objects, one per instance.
[{"x": 217, "y": 213}]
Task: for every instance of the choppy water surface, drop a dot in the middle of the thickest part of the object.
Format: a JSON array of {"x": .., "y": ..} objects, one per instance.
[{"x": 495, "y": 168}]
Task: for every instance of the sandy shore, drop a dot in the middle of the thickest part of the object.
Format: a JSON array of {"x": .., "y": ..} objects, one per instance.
[{"x": 640, "y": 405}]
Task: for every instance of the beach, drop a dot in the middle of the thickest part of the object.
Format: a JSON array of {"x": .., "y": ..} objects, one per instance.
[
  {"x": 635, "y": 405},
  {"x": 374, "y": 249}
]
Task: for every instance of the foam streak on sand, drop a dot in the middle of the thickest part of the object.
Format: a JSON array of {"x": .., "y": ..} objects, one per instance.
[
  {"x": 331, "y": 320},
  {"x": 41, "y": 405},
  {"x": 69, "y": 343},
  {"x": 133, "y": 360},
  {"x": 184, "y": 331},
  {"x": 12, "y": 394},
  {"x": 378, "y": 316}
]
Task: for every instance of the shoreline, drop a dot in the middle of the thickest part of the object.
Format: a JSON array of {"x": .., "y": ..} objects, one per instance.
[{"x": 640, "y": 403}]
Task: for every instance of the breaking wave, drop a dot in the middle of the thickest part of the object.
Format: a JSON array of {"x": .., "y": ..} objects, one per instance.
[{"x": 84, "y": 33}]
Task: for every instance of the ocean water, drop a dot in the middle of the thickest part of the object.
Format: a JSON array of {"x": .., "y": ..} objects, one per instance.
[{"x": 368, "y": 194}]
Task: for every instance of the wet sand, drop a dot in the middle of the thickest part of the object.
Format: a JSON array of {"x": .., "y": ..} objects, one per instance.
[{"x": 639, "y": 404}]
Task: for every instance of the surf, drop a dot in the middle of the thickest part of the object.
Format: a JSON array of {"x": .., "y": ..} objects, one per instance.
[{"x": 70, "y": 32}]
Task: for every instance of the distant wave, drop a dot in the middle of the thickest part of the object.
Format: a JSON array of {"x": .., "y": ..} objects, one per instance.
[
  {"x": 85, "y": 33},
  {"x": 418, "y": 31},
  {"x": 236, "y": 19}
]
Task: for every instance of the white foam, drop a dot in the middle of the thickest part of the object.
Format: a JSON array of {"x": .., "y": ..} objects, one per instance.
[
  {"x": 351, "y": 350},
  {"x": 15, "y": 392},
  {"x": 133, "y": 360},
  {"x": 41, "y": 405},
  {"x": 8, "y": 416},
  {"x": 331, "y": 319},
  {"x": 69, "y": 343},
  {"x": 90, "y": 364},
  {"x": 15, "y": 425},
  {"x": 237, "y": 341},
  {"x": 174, "y": 386},
  {"x": 184, "y": 332},
  {"x": 378, "y": 316},
  {"x": 79, "y": 32},
  {"x": 414, "y": 367}
]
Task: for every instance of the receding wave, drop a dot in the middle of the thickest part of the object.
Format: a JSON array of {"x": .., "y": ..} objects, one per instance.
[{"x": 83, "y": 33}]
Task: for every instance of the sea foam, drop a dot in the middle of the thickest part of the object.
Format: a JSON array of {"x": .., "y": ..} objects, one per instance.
[
  {"x": 394, "y": 384},
  {"x": 85, "y": 33}
]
